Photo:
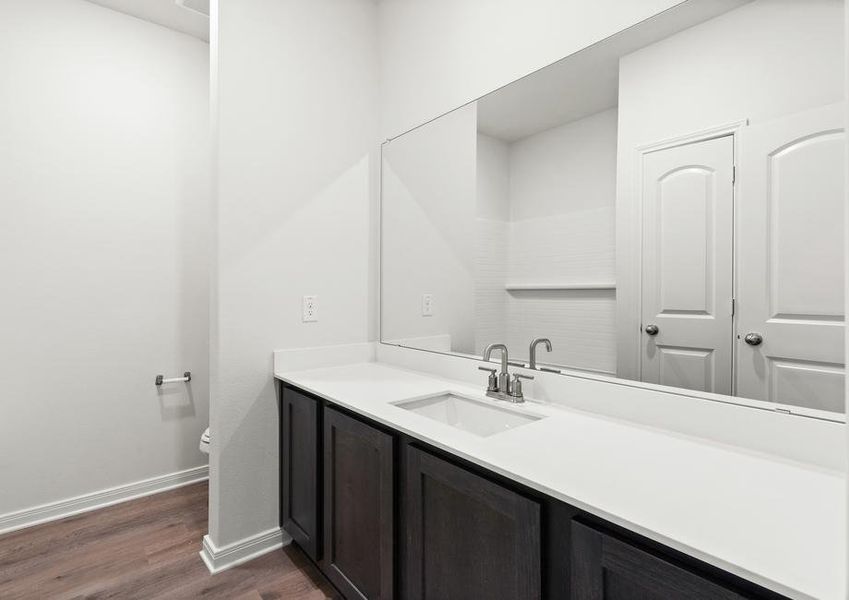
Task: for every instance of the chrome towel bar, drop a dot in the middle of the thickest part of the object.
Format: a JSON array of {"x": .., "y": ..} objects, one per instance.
[{"x": 187, "y": 376}]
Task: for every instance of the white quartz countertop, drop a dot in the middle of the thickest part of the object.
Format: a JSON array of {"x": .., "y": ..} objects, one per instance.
[{"x": 774, "y": 522}]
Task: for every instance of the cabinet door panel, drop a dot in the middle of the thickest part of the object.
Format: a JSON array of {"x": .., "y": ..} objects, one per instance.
[
  {"x": 299, "y": 465},
  {"x": 467, "y": 537},
  {"x": 606, "y": 568},
  {"x": 358, "y": 508}
]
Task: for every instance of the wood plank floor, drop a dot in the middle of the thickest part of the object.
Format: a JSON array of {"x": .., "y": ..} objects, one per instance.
[{"x": 145, "y": 549}]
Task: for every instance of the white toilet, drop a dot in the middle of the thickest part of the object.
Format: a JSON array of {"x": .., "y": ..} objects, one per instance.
[{"x": 204, "y": 441}]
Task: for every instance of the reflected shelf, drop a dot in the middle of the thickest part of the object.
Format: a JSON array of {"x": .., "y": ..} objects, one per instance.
[{"x": 604, "y": 285}]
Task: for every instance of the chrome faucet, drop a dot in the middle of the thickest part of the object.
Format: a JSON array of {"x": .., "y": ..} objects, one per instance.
[
  {"x": 501, "y": 386},
  {"x": 504, "y": 375},
  {"x": 532, "y": 360}
]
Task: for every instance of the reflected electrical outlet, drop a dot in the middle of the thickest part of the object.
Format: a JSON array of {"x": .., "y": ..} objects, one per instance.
[{"x": 427, "y": 305}]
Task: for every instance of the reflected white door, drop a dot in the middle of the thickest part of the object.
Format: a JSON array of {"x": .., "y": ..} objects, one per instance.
[
  {"x": 790, "y": 259},
  {"x": 687, "y": 264}
]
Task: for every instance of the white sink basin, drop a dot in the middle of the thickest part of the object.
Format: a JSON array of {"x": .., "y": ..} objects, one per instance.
[{"x": 478, "y": 416}]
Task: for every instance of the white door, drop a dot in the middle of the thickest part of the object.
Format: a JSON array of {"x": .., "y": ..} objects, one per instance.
[
  {"x": 687, "y": 266},
  {"x": 790, "y": 259}
]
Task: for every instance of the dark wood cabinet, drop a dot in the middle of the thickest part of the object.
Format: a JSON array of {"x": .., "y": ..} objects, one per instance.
[
  {"x": 462, "y": 531},
  {"x": 465, "y": 536},
  {"x": 300, "y": 466},
  {"x": 607, "y": 568},
  {"x": 358, "y": 508}
]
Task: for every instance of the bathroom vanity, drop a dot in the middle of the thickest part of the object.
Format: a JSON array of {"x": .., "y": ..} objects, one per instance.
[
  {"x": 654, "y": 227},
  {"x": 396, "y": 493}
]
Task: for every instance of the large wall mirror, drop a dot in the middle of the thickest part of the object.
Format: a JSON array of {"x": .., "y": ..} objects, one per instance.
[{"x": 665, "y": 207}]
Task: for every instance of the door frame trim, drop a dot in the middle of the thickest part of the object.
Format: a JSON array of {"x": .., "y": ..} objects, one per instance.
[{"x": 702, "y": 135}]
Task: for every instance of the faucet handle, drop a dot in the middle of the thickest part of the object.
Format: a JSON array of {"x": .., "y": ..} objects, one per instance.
[
  {"x": 492, "y": 382},
  {"x": 516, "y": 386}
]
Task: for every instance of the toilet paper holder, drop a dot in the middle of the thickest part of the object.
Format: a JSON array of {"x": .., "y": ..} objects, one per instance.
[{"x": 187, "y": 376}]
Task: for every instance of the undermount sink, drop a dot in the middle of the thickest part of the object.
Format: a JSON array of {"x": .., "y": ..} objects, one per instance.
[{"x": 481, "y": 417}]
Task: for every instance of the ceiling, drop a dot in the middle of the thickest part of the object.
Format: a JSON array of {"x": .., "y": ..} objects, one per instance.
[
  {"x": 586, "y": 82},
  {"x": 186, "y": 16}
]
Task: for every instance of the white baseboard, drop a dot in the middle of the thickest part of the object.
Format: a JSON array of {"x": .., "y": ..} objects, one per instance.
[
  {"x": 218, "y": 559},
  {"x": 100, "y": 499}
]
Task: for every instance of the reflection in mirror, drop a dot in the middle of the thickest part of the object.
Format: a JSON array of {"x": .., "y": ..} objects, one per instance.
[{"x": 665, "y": 206}]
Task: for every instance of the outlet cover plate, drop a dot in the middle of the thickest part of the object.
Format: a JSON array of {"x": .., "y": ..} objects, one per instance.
[
  {"x": 309, "y": 308},
  {"x": 427, "y": 305}
]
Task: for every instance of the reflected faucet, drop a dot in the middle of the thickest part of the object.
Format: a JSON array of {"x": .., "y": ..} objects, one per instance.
[
  {"x": 532, "y": 360},
  {"x": 503, "y": 376}
]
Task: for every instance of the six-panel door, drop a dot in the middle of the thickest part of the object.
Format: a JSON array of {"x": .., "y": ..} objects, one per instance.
[
  {"x": 466, "y": 537},
  {"x": 358, "y": 508},
  {"x": 299, "y": 466}
]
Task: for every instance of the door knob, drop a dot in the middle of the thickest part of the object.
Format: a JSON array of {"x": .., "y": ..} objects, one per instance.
[
  {"x": 754, "y": 339},
  {"x": 652, "y": 329}
]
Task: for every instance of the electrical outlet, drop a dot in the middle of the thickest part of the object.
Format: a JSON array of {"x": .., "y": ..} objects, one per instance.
[
  {"x": 427, "y": 305},
  {"x": 310, "y": 309}
]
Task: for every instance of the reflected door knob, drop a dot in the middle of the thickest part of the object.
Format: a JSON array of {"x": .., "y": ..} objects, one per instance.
[
  {"x": 754, "y": 339},
  {"x": 652, "y": 329}
]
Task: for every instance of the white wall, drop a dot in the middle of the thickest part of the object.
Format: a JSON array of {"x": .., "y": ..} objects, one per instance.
[
  {"x": 566, "y": 169},
  {"x": 428, "y": 211},
  {"x": 297, "y": 160},
  {"x": 546, "y": 215},
  {"x": 439, "y": 54},
  {"x": 444, "y": 187},
  {"x": 562, "y": 196},
  {"x": 492, "y": 241},
  {"x": 846, "y": 262},
  {"x": 102, "y": 250},
  {"x": 763, "y": 60}
]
